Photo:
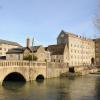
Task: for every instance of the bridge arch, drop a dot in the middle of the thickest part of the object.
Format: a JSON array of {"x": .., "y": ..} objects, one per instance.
[
  {"x": 39, "y": 77},
  {"x": 14, "y": 76}
]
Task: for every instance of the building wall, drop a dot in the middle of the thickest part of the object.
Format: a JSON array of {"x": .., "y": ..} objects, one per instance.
[
  {"x": 41, "y": 54},
  {"x": 57, "y": 58},
  {"x": 66, "y": 55},
  {"x": 80, "y": 50},
  {"x": 4, "y": 48},
  {"x": 97, "y": 51},
  {"x": 14, "y": 56}
]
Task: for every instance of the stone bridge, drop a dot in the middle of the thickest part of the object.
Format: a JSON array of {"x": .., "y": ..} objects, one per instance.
[{"x": 29, "y": 71}]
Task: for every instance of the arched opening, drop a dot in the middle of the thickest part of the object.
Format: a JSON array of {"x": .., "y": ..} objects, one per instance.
[
  {"x": 71, "y": 70},
  {"x": 92, "y": 61},
  {"x": 14, "y": 77},
  {"x": 13, "y": 81},
  {"x": 40, "y": 78}
]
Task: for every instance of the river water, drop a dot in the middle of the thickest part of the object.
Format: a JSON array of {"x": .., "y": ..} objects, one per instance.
[{"x": 72, "y": 88}]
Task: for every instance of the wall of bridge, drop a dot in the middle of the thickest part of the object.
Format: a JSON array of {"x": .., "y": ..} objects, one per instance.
[{"x": 56, "y": 69}]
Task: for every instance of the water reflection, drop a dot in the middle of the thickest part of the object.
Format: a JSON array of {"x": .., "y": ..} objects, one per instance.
[
  {"x": 13, "y": 86},
  {"x": 72, "y": 88}
]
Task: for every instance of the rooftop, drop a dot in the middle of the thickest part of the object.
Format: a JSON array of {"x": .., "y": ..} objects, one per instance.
[
  {"x": 75, "y": 35},
  {"x": 56, "y": 49},
  {"x": 9, "y": 42}
]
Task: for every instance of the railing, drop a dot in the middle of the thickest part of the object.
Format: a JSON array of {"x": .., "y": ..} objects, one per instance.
[{"x": 5, "y": 63}]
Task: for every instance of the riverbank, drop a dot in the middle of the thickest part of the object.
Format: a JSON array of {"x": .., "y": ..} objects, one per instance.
[{"x": 80, "y": 71}]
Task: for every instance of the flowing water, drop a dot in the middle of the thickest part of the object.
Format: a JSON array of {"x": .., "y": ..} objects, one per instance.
[{"x": 72, "y": 88}]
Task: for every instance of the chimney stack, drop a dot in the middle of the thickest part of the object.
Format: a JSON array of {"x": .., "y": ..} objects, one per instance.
[{"x": 28, "y": 42}]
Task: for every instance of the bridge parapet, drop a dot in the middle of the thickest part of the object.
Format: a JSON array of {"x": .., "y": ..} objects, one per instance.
[{"x": 17, "y": 63}]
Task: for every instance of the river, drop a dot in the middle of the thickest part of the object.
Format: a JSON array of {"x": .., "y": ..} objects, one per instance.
[{"x": 72, "y": 88}]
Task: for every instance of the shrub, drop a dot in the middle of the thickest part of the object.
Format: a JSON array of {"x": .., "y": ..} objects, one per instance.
[{"x": 29, "y": 57}]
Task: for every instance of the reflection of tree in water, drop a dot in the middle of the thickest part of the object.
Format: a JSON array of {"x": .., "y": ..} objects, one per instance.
[
  {"x": 59, "y": 89},
  {"x": 13, "y": 86},
  {"x": 63, "y": 92}
]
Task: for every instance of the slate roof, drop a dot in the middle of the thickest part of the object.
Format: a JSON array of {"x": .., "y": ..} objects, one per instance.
[
  {"x": 21, "y": 50},
  {"x": 16, "y": 50},
  {"x": 9, "y": 42},
  {"x": 35, "y": 48},
  {"x": 56, "y": 49}
]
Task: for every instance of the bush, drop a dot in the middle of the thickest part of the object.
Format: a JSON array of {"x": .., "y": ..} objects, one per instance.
[{"x": 30, "y": 58}]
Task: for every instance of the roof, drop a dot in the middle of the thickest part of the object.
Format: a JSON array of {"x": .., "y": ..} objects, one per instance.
[
  {"x": 22, "y": 49},
  {"x": 9, "y": 42},
  {"x": 97, "y": 39},
  {"x": 16, "y": 50},
  {"x": 74, "y": 35},
  {"x": 56, "y": 49},
  {"x": 35, "y": 48}
]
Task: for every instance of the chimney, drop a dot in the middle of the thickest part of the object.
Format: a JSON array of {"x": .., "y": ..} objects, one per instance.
[{"x": 28, "y": 42}]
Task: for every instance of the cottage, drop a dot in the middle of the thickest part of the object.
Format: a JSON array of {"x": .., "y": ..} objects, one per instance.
[{"x": 59, "y": 53}]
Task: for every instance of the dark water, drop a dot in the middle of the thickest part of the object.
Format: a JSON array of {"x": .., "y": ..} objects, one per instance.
[{"x": 73, "y": 88}]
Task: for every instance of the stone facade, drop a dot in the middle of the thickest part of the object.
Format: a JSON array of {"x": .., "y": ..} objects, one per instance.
[
  {"x": 41, "y": 53},
  {"x": 20, "y": 53},
  {"x": 81, "y": 50},
  {"x": 59, "y": 53}
]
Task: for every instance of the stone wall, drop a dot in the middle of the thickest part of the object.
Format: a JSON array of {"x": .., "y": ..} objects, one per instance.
[{"x": 56, "y": 69}]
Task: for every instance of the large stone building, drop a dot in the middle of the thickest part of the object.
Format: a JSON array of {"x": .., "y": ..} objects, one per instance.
[
  {"x": 81, "y": 50},
  {"x": 6, "y": 45}
]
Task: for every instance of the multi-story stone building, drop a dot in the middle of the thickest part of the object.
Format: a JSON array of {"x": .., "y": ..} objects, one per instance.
[
  {"x": 81, "y": 50},
  {"x": 6, "y": 45}
]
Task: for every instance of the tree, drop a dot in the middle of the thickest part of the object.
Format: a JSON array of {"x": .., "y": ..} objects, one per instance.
[
  {"x": 29, "y": 57},
  {"x": 97, "y": 16}
]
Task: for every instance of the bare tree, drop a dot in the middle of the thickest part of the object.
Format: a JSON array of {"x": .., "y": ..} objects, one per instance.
[{"x": 97, "y": 16}]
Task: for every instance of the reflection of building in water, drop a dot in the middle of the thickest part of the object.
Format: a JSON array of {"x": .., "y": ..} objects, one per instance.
[{"x": 83, "y": 88}]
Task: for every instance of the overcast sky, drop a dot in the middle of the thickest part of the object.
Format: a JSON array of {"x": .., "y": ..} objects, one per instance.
[{"x": 44, "y": 19}]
